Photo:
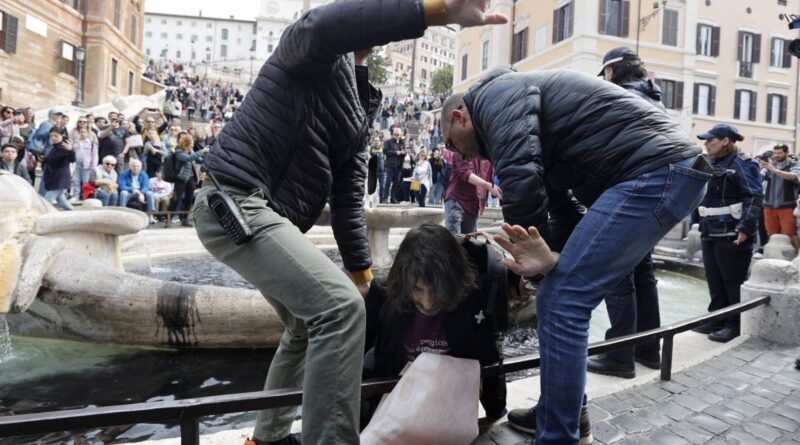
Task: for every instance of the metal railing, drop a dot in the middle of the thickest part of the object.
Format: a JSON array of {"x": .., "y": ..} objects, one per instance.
[{"x": 187, "y": 412}]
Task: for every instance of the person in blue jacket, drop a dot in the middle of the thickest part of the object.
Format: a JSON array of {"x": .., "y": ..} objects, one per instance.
[
  {"x": 133, "y": 184},
  {"x": 728, "y": 223}
]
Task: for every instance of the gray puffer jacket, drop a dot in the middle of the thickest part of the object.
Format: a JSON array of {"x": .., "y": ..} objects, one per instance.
[
  {"x": 550, "y": 131},
  {"x": 300, "y": 134}
]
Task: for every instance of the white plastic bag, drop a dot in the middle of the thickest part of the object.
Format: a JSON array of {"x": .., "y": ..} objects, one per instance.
[{"x": 434, "y": 403}]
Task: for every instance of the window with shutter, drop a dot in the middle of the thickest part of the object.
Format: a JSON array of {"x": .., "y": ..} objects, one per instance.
[
  {"x": 745, "y": 107},
  {"x": 669, "y": 28},
  {"x": 484, "y": 56},
  {"x": 705, "y": 35},
  {"x": 737, "y": 104},
  {"x": 614, "y": 17},
  {"x": 519, "y": 46},
  {"x": 117, "y": 14},
  {"x": 787, "y": 56},
  {"x": 2, "y": 30},
  {"x": 702, "y": 99},
  {"x": 782, "y": 119},
  {"x": 66, "y": 63},
  {"x": 712, "y": 100},
  {"x": 464, "y": 61},
  {"x": 562, "y": 22},
  {"x": 114, "y": 72},
  {"x": 715, "y": 32},
  {"x": 747, "y": 53},
  {"x": 8, "y": 33}
]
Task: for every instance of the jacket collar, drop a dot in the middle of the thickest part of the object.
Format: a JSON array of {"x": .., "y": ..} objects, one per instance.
[{"x": 469, "y": 101}]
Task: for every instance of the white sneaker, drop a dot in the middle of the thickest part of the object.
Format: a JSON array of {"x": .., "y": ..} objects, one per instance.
[
  {"x": 176, "y": 219},
  {"x": 74, "y": 200},
  {"x": 152, "y": 220}
]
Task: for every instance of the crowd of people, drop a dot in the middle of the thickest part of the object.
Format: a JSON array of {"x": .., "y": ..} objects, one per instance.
[
  {"x": 121, "y": 160},
  {"x": 188, "y": 93}
]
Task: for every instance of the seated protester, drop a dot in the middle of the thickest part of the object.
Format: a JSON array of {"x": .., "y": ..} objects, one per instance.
[
  {"x": 12, "y": 164},
  {"x": 133, "y": 185},
  {"x": 433, "y": 301},
  {"x": 104, "y": 177},
  {"x": 56, "y": 174},
  {"x": 162, "y": 191}
]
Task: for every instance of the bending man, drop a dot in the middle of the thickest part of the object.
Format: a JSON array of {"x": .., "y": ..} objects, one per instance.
[{"x": 547, "y": 132}]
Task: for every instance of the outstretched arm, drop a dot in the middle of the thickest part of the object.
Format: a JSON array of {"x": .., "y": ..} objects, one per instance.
[{"x": 312, "y": 43}]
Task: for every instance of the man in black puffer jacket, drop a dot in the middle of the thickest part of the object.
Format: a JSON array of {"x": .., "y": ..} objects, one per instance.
[
  {"x": 548, "y": 132},
  {"x": 297, "y": 142}
]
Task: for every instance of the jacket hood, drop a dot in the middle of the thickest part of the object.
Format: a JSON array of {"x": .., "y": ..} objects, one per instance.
[{"x": 645, "y": 87}]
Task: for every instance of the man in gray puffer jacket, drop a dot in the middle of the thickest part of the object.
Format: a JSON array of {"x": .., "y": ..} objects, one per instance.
[
  {"x": 297, "y": 142},
  {"x": 547, "y": 132}
]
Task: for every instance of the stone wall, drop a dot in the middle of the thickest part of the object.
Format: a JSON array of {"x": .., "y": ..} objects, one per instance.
[{"x": 32, "y": 75}]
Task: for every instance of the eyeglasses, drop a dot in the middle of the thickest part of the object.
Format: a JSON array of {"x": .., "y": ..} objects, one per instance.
[{"x": 110, "y": 163}]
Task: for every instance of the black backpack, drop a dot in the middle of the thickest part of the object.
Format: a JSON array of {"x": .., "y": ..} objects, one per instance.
[
  {"x": 168, "y": 171},
  {"x": 492, "y": 276}
]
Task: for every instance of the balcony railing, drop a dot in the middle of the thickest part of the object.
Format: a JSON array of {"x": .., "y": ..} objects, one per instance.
[{"x": 746, "y": 70}]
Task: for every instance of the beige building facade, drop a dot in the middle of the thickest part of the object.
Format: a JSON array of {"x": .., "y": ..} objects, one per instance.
[
  {"x": 434, "y": 51},
  {"x": 717, "y": 61},
  {"x": 42, "y": 42}
]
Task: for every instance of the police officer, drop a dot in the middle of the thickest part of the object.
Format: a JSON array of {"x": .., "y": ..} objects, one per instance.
[
  {"x": 728, "y": 223},
  {"x": 633, "y": 305}
]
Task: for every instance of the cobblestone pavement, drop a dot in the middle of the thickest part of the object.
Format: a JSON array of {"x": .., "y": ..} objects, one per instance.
[{"x": 749, "y": 396}]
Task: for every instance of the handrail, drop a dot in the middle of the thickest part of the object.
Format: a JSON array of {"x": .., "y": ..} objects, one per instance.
[{"x": 188, "y": 411}]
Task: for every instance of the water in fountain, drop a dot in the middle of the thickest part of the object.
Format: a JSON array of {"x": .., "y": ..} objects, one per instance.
[{"x": 5, "y": 339}]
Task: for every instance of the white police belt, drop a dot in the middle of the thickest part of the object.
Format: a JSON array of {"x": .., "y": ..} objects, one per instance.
[{"x": 735, "y": 210}]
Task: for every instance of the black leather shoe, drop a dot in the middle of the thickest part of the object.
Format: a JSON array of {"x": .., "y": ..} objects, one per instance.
[
  {"x": 292, "y": 439},
  {"x": 707, "y": 328},
  {"x": 525, "y": 420},
  {"x": 724, "y": 335},
  {"x": 651, "y": 360},
  {"x": 606, "y": 366}
]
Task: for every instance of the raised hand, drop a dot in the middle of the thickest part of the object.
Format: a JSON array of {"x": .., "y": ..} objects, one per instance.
[
  {"x": 471, "y": 13},
  {"x": 531, "y": 254}
]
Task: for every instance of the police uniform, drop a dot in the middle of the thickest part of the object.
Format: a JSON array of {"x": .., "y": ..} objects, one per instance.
[{"x": 732, "y": 204}]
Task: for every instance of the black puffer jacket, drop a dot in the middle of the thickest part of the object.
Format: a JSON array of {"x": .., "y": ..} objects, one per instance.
[
  {"x": 562, "y": 129},
  {"x": 647, "y": 90},
  {"x": 300, "y": 134}
]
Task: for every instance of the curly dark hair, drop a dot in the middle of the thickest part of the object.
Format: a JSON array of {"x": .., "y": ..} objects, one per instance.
[
  {"x": 626, "y": 71},
  {"x": 430, "y": 253}
]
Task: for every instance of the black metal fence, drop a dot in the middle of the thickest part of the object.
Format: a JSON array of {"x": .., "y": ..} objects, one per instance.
[{"x": 187, "y": 412}]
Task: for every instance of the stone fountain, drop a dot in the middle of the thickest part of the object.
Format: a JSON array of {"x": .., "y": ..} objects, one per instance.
[{"x": 64, "y": 279}]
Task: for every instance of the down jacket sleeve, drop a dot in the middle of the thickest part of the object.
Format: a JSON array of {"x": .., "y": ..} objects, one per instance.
[
  {"x": 506, "y": 118},
  {"x": 347, "y": 212},
  {"x": 312, "y": 44},
  {"x": 752, "y": 195}
]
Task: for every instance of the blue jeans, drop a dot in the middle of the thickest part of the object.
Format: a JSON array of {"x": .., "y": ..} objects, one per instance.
[
  {"x": 125, "y": 196},
  {"x": 58, "y": 197},
  {"x": 80, "y": 177},
  {"x": 456, "y": 220},
  {"x": 108, "y": 200},
  {"x": 622, "y": 226}
]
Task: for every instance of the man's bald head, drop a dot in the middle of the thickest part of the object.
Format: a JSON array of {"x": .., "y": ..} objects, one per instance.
[{"x": 454, "y": 102}]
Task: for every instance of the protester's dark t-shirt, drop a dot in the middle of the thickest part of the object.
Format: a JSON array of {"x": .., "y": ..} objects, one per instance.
[
  {"x": 113, "y": 144},
  {"x": 425, "y": 334}
]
